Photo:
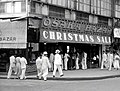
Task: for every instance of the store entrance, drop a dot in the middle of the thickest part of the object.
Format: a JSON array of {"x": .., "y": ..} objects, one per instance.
[{"x": 90, "y": 49}]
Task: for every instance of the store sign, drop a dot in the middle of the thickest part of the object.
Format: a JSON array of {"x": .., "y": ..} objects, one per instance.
[
  {"x": 76, "y": 26},
  {"x": 57, "y": 36},
  {"x": 13, "y": 34},
  {"x": 117, "y": 32}
]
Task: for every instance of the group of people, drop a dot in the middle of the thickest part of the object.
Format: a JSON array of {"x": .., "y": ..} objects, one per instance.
[
  {"x": 43, "y": 65},
  {"x": 18, "y": 66},
  {"x": 57, "y": 61},
  {"x": 110, "y": 59},
  {"x": 71, "y": 60}
]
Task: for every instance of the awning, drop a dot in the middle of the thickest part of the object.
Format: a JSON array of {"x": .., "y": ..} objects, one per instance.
[{"x": 13, "y": 34}]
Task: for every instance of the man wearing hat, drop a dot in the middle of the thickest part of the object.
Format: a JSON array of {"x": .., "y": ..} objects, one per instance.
[
  {"x": 57, "y": 63},
  {"x": 45, "y": 66}
]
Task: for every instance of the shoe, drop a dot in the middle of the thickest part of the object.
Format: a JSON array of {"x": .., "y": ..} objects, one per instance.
[
  {"x": 61, "y": 75},
  {"x": 53, "y": 76}
]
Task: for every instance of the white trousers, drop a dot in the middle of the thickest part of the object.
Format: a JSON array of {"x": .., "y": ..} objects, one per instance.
[
  {"x": 76, "y": 62},
  {"x": 23, "y": 73},
  {"x": 116, "y": 64},
  {"x": 10, "y": 71},
  {"x": 103, "y": 63},
  {"x": 44, "y": 73},
  {"x": 84, "y": 64},
  {"x": 57, "y": 66},
  {"x": 65, "y": 64}
]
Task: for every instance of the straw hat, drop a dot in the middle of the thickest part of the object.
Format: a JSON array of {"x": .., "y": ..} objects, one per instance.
[
  {"x": 45, "y": 53},
  {"x": 57, "y": 51}
]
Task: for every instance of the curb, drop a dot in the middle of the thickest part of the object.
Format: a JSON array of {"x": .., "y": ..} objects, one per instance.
[{"x": 70, "y": 78}]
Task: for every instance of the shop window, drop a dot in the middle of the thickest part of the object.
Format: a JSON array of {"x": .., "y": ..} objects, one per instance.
[{"x": 56, "y": 11}]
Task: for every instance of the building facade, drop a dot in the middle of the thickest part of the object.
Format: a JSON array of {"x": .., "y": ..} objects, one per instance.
[{"x": 33, "y": 26}]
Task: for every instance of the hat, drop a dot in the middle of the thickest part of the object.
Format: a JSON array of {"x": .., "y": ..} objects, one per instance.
[
  {"x": 57, "y": 51},
  {"x": 45, "y": 53}
]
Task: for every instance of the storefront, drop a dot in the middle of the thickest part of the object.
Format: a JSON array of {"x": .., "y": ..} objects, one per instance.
[
  {"x": 13, "y": 39},
  {"x": 75, "y": 36}
]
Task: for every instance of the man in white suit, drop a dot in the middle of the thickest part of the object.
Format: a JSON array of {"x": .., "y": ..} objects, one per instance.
[
  {"x": 58, "y": 64},
  {"x": 12, "y": 66}
]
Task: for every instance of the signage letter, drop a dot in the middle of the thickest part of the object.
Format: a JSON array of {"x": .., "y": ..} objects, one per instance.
[
  {"x": 45, "y": 34},
  {"x": 52, "y": 35}
]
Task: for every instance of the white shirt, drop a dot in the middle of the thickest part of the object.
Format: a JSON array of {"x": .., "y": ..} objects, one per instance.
[
  {"x": 12, "y": 61},
  {"x": 45, "y": 63},
  {"x": 58, "y": 59},
  {"x": 38, "y": 62},
  {"x": 66, "y": 57},
  {"x": 23, "y": 62},
  {"x": 104, "y": 58}
]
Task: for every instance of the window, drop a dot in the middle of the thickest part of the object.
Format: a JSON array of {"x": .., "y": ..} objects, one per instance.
[
  {"x": 70, "y": 15},
  {"x": 82, "y": 16},
  {"x": 13, "y": 7},
  {"x": 103, "y": 20},
  {"x": 2, "y": 7},
  {"x": 117, "y": 8},
  {"x": 83, "y": 5},
  {"x": 56, "y": 11}
]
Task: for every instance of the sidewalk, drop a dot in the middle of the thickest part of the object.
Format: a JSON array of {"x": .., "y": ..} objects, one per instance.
[{"x": 89, "y": 74}]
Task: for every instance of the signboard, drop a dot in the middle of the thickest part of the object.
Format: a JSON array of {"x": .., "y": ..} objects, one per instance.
[
  {"x": 117, "y": 32},
  {"x": 75, "y": 26},
  {"x": 58, "y": 36},
  {"x": 13, "y": 34}
]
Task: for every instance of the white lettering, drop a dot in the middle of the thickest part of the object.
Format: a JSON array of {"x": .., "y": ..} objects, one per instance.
[
  {"x": 64, "y": 36},
  {"x": 52, "y": 35},
  {"x": 86, "y": 38},
  {"x": 45, "y": 34},
  {"x": 91, "y": 38},
  {"x": 81, "y": 37},
  {"x": 70, "y": 37},
  {"x": 59, "y": 36},
  {"x": 98, "y": 38},
  {"x": 103, "y": 39},
  {"x": 76, "y": 37}
]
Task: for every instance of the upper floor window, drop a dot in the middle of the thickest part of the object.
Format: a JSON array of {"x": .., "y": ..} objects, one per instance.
[
  {"x": 56, "y": 11},
  {"x": 101, "y": 7},
  {"x": 71, "y": 15},
  {"x": 13, "y": 7},
  {"x": 103, "y": 20},
  {"x": 83, "y": 5},
  {"x": 117, "y": 8},
  {"x": 82, "y": 16}
]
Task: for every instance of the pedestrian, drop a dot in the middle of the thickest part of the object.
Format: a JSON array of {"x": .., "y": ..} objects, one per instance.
[
  {"x": 104, "y": 60},
  {"x": 110, "y": 60},
  {"x": 84, "y": 61},
  {"x": 45, "y": 66},
  {"x": 38, "y": 65},
  {"x": 52, "y": 57},
  {"x": 23, "y": 63},
  {"x": 77, "y": 61},
  {"x": 57, "y": 63},
  {"x": 11, "y": 66},
  {"x": 116, "y": 61},
  {"x": 66, "y": 58},
  {"x": 18, "y": 66}
]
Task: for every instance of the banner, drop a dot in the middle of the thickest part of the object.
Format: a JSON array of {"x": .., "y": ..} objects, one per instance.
[
  {"x": 58, "y": 36},
  {"x": 117, "y": 32},
  {"x": 13, "y": 34}
]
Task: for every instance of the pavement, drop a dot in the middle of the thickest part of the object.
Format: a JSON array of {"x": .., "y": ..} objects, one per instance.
[{"x": 89, "y": 74}]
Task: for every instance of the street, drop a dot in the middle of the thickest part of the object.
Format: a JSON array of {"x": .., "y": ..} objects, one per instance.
[{"x": 111, "y": 84}]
